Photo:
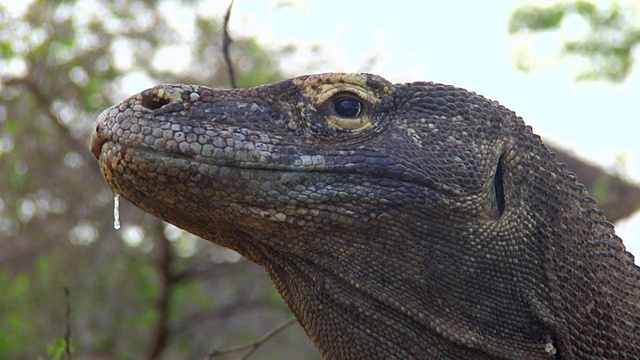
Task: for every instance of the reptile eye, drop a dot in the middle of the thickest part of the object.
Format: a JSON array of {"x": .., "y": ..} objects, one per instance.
[{"x": 347, "y": 106}]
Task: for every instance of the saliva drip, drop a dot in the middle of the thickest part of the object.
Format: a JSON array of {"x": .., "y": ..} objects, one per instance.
[{"x": 116, "y": 211}]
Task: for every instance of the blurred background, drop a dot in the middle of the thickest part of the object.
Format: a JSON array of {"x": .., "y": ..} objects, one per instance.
[{"x": 150, "y": 290}]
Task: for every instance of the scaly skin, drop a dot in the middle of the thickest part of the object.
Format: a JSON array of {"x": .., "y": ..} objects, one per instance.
[{"x": 397, "y": 220}]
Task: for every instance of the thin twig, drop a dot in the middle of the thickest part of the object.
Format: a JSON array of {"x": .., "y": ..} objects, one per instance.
[
  {"x": 252, "y": 347},
  {"x": 67, "y": 332},
  {"x": 226, "y": 41},
  {"x": 164, "y": 266}
]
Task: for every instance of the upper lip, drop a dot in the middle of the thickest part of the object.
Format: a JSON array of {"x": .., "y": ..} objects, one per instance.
[
  {"x": 97, "y": 140},
  {"x": 96, "y": 144}
]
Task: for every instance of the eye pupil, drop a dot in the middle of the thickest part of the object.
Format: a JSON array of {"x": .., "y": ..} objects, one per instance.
[{"x": 348, "y": 107}]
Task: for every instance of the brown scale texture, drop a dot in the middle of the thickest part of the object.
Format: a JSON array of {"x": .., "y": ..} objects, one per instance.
[{"x": 398, "y": 221}]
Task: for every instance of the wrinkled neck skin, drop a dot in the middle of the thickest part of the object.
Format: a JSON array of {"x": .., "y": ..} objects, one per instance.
[{"x": 349, "y": 284}]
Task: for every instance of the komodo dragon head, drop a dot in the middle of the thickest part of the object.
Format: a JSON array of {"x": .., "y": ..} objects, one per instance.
[{"x": 413, "y": 220}]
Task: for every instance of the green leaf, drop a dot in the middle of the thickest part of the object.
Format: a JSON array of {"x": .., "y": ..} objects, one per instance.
[
  {"x": 586, "y": 8},
  {"x": 607, "y": 46},
  {"x": 536, "y": 18},
  {"x": 6, "y": 50},
  {"x": 57, "y": 350}
]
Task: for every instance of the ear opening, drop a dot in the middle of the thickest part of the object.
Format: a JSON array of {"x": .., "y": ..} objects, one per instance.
[{"x": 498, "y": 188}]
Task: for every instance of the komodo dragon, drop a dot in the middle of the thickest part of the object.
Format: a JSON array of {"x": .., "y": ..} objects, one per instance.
[{"x": 413, "y": 221}]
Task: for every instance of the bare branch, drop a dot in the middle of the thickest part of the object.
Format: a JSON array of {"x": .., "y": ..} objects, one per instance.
[
  {"x": 221, "y": 313},
  {"x": 252, "y": 347},
  {"x": 164, "y": 264},
  {"x": 226, "y": 41},
  {"x": 67, "y": 332},
  {"x": 45, "y": 101}
]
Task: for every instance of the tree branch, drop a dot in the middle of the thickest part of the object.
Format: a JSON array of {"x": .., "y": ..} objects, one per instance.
[
  {"x": 45, "y": 102},
  {"x": 221, "y": 313},
  {"x": 67, "y": 332},
  {"x": 252, "y": 347},
  {"x": 160, "y": 334},
  {"x": 226, "y": 41}
]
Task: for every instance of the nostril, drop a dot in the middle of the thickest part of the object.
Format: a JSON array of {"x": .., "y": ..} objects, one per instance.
[{"x": 153, "y": 102}]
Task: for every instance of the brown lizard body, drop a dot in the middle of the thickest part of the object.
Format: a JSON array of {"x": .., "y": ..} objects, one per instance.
[{"x": 412, "y": 220}]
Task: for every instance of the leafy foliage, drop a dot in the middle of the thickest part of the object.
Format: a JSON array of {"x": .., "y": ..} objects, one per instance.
[
  {"x": 57, "y": 350},
  {"x": 612, "y": 32}
]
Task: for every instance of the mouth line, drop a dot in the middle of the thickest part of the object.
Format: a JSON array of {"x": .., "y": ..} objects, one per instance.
[
  {"x": 302, "y": 163},
  {"x": 98, "y": 144}
]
